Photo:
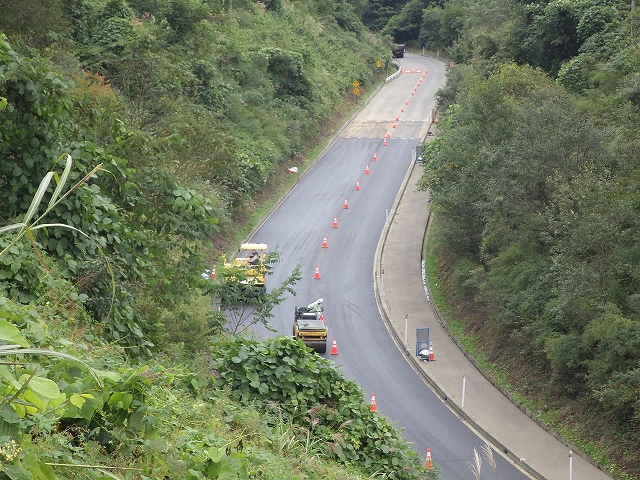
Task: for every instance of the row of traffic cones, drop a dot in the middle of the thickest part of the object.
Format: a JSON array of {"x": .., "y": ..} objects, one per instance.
[
  {"x": 414, "y": 70},
  {"x": 406, "y": 102},
  {"x": 345, "y": 206},
  {"x": 325, "y": 243},
  {"x": 334, "y": 347}
]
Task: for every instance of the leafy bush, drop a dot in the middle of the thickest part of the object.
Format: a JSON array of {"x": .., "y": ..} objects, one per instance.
[{"x": 284, "y": 377}]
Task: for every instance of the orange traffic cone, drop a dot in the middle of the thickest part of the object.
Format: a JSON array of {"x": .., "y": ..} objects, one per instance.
[
  {"x": 373, "y": 407},
  {"x": 388, "y": 135},
  {"x": 402, "y": 110},
  {"x": 406, "y": 102},
  {"x": 335, "y": 222},
  {"x": 428, "y": 464},
  {"x": 346, "y": 205},
  {"x": 357, "y": 185},
  {"x": 334, "y": 347},
  {"x": 384, "y": 142},
  {"x": 316, "y": 275},
  {"x": 432, "y": 357},
  {"x": 394, "y": 125},
  {"x": 375, "y": 156},
  {"x": 397, "y": 118},
  {"x": 213, "y": 273},
  {"x": 322, "y": 318},
  {"x": 324, "y": 242},
  {"x": 366, "y": 170}
]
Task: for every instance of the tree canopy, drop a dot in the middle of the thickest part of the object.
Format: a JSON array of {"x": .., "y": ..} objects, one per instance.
[{"x": 534, "y": 178}]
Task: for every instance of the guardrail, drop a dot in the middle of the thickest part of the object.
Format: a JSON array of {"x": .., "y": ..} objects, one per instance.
[{"x": 394, "y": 75}]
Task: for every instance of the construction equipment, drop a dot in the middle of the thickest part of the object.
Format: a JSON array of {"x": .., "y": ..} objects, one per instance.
[
  {"x": 250, "y": 265},
  {"x": 309, "y": 326}
]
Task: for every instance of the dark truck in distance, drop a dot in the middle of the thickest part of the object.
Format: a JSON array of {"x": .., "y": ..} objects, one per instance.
[{"x": 398, "y": 51}]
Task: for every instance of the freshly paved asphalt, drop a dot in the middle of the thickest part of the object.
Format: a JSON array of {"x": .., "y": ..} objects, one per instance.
[{"x": 404, "y": 303}]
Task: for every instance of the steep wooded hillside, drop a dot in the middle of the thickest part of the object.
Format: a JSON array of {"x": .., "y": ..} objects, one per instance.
[
  {"x": 136, "y": 139},
  {"x": 534, "y": 181}
]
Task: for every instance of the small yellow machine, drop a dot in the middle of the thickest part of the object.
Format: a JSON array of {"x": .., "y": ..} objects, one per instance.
[
  {"x": 251, "y": 264},
  {"x": 309, "y": 326}
]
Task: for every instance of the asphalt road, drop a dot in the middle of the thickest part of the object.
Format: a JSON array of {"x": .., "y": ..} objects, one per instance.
[{"x": 367, "y": 354}]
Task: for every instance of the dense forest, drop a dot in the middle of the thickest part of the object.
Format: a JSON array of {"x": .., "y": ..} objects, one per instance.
[
  {"x": 140, "y": 138},
  {"x": 534, "y": 180}
]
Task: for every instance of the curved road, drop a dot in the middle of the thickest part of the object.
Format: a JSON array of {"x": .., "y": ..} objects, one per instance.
[{"x": 367, "y": 354}]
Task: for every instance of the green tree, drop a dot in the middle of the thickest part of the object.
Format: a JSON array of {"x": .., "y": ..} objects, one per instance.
[
  {"x": 376, "y": 13},
  {"x": 405, "y": 25},
  {"x": 551, "y": 36},
  {"x": 442, "y": 26},
  {"x": 39, "y": 23},
  {"x": 243, "y": 305}
]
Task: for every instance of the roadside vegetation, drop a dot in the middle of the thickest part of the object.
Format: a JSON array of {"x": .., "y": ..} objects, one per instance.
[
  {"x": 534, "y": 187},
  {"x": 159, "y": 128},
  {"x": 137, "y": 139}
]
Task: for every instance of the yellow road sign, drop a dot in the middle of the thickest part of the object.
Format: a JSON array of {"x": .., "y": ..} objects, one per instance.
[
  {"x": 356, "y": 83},
  {"x": 378, "y": 63},
  {"x": 356, "y": 90}
]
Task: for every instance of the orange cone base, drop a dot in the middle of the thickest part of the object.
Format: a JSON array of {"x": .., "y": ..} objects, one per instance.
[{"x": 334, "y": 347}]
